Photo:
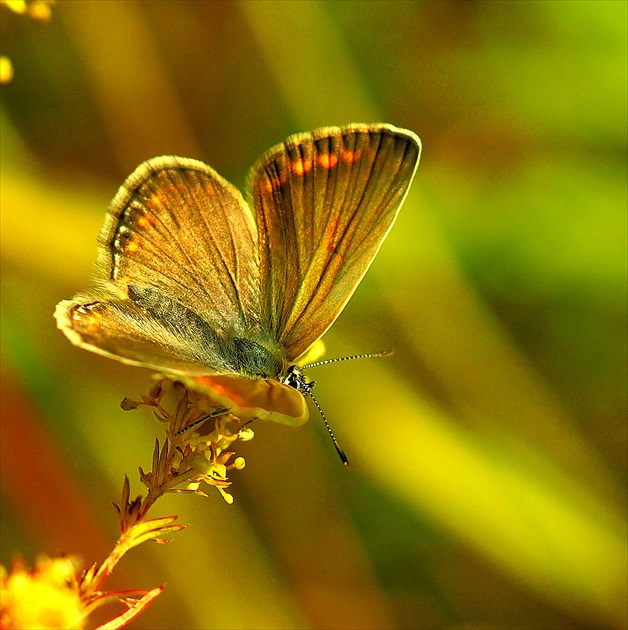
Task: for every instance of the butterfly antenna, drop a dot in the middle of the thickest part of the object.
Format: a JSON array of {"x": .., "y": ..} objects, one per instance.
[
  {"x": 368, "y": 355},
  {"x": 308, "y": 390}
]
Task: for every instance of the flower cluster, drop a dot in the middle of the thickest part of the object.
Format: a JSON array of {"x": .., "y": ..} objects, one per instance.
[
  {"x": 56, "y": 595},
  {"x": 197, "y": 450},
  {"x": 47, "y": 596},
  {"x": 199, "y": 438}
]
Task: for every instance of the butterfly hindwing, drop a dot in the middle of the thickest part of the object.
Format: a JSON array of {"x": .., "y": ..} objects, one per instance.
[{"x": 165, "y": 336}]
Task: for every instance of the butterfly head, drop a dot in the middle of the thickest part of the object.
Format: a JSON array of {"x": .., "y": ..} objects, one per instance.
[{"x": 296, "y": 379}]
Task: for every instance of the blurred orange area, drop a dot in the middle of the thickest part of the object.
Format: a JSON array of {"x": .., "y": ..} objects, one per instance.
[{"x": 487, "y": 485}]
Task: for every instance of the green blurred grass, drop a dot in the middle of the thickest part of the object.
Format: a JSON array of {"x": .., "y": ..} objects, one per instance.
[{"x": 487, "y": 486}]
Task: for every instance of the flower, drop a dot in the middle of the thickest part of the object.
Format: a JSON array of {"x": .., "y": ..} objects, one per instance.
[
  {"x": 47, "y": 596},
  {"x": 200, "y": 434},
  {"x": 54, "y": 595}
]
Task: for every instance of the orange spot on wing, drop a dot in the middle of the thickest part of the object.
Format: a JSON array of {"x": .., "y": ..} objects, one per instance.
[
  {"x": 301, "y": 166},
  {"x": 327, "y": 160},
  {"x": 157, "y": 199},
  {"x": 93, "y": 322},
  {"x": 331, "y": 242},
  {"x": 133, "y": 245},
  {"x": 144, "y": 221},
  {"x": 351, "y": 156},
  {"x": 272, "y": 183}
]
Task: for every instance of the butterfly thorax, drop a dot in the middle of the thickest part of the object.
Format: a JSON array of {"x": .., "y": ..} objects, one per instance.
[
  {"x": 247, "y": 352},
  {"x": 254, "y": 358}
]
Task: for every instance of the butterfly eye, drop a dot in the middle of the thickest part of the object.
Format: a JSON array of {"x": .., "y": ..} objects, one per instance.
[{"x": 294, "y": 378}]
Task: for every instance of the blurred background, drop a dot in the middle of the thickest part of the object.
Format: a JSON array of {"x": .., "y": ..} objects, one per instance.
[{"x": 487, "y": 485}]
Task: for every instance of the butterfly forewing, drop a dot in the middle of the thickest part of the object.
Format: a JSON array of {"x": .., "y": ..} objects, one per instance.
[
  {"x": 325, "y": 201},
  {"x": 177, "y": 273},
  {"x": 179, "y": 227}
]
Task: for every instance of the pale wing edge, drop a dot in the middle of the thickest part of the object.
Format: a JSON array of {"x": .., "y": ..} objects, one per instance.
[{"x": 64, "y": 324}]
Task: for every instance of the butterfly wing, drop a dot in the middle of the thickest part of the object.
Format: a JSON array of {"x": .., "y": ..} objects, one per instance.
[
  {"x": 177, "y": 275},
  {"x": 325, "y": 202}
]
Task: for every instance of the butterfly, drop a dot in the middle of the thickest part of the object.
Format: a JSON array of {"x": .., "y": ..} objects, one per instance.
[{"x": 193, "y": 281}]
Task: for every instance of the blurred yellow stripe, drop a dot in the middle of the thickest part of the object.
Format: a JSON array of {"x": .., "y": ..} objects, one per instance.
[
  {"x": 309, "y": 59},
  {"x": 141, "y": 108}
]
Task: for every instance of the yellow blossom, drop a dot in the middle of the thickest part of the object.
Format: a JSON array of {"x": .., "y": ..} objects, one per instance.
[
  {"x": 200, "y": 435},
  {"x": 45, "y": 597}
]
